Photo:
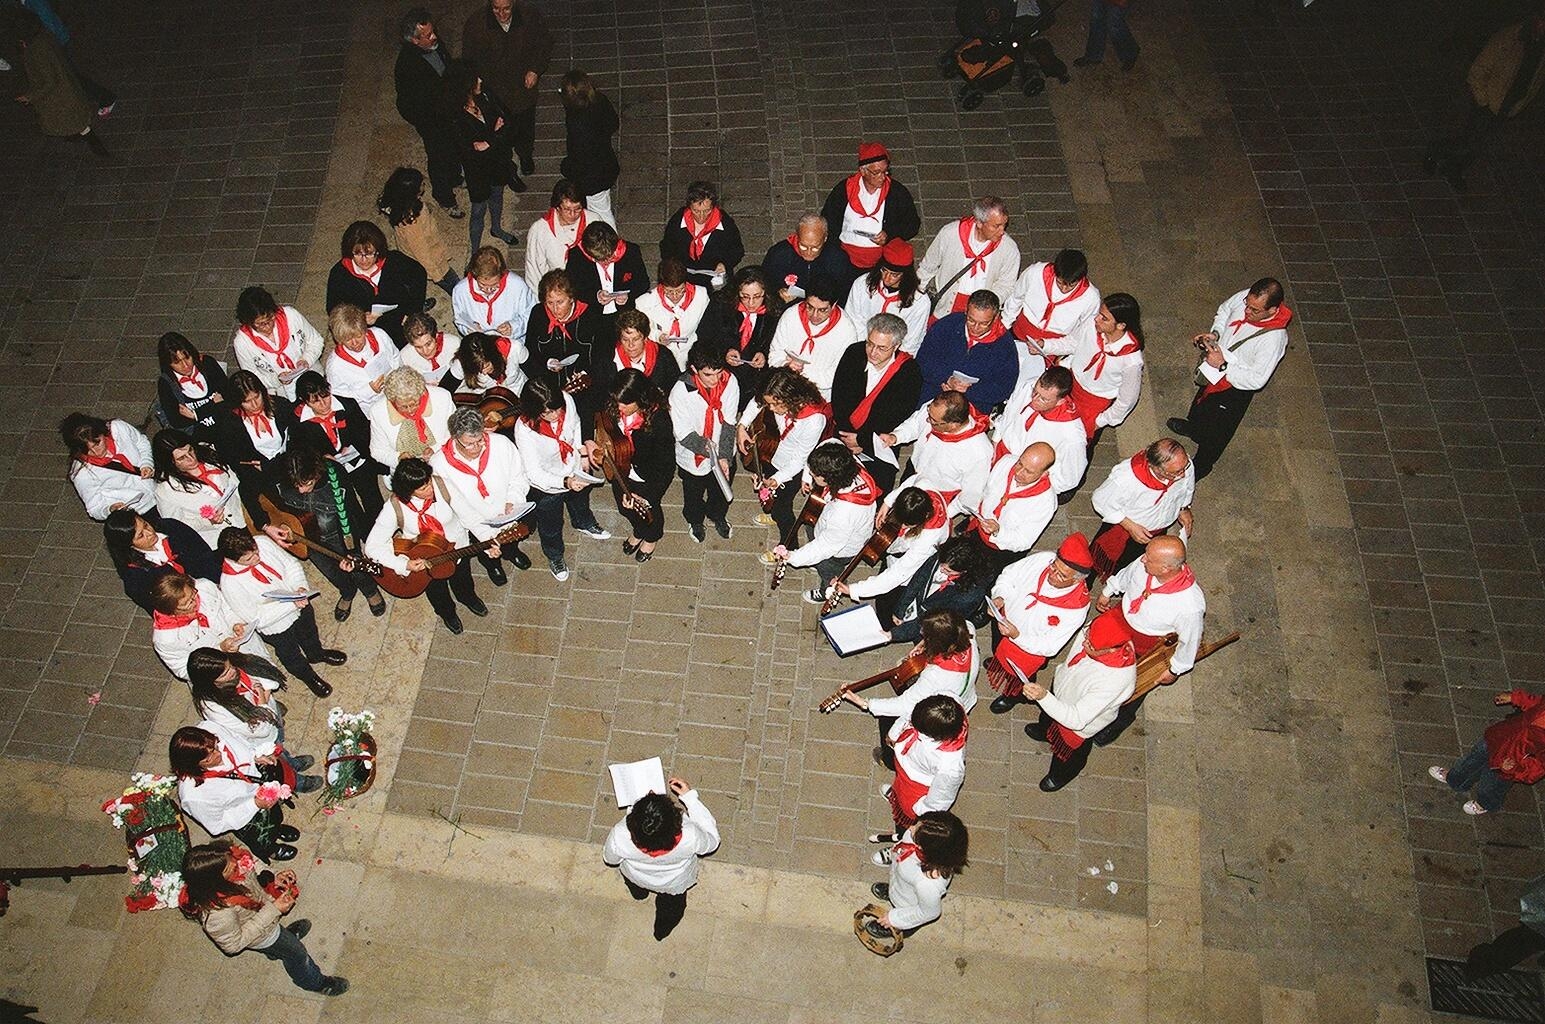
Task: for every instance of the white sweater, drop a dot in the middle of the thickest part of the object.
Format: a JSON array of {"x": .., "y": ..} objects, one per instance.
[
  {"x": 347, "y": 378},
  {"x": 916, "y": 896},
  {"x": 1180, "y": 613},
  {"x": 546, "y": 467},
  {"x": 243, "y": 591},
  {"x": 946, "y": 256},
  {"x": 302, "y": 344},
  {"x": 942, "y": 771},
  {"x": 512, "y": 306},
  {"x": 386, "y": 425},
  {"x": 675, "y": 327},
  {"x": 101, "y": 488},
  {"x": 1066, "y": 437},
  {"x": 1086, "y": 695},
  {"x": 1044, "y": 629},
  {"x": 187, "y": 506},
  {"x": 223, "y": 805},
  {"x": 174, "y": 645},
  {"x": 1117, "y": 377},
  {"x": 503, "y": 477},
  {"x": 1252, "y": 362},
  {"x": 675, "y": 871},
  {"x": 689, "y": 412},
  {"x": 958, "y": 467},
  {"x": 1123, "y": 496},
  {"x": 863, "y": 303},
  {"x": 819, "y": 348}
]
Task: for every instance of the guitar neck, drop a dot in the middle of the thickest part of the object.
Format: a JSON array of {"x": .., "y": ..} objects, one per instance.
[
  {"x": 459, "y": 553},
  {"x": 329, "y": 552}
]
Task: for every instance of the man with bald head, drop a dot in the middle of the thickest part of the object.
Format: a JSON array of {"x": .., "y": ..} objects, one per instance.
[
  {"x": 1017, "y": 504},
  {"x": 810, "y": 250},
  {"x": 1144, "y": 496},
  {"x": 1155, "y": 596}
]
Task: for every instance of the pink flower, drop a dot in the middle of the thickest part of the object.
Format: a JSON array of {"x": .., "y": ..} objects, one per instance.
[
  {"x": 274, "y": 791},
  {"x": 94, "y": 698},
  {"x": 209, "y": 512},
  {"x": 329, "y": 810}
]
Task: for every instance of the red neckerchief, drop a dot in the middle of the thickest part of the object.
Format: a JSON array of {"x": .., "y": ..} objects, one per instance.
[
  {"x": 259, "y": 571},
  {"x": 562, "y": 326},
  {"x": 817, "y": 409},
  {"x": 373, "y": 279},
  {"x": 1277, "y": 320},
  {"x": 861, "y": 411},
  {"x": 426, "y": 522},
  {"x": 1049, "y": 278},
  {"x": 166, "y": 549},
  {"x": 1145, "y": 476},
  {"x": 808, "y": 345},
  {"x": 942, "y": 578},
  {"x": 977, "y": 261},
  {"x": 1065, "y": 411},
  {"x": 887, "y": 298},
  {"x": 488, "y": 301},
  {"x": 676, "y": 311},
  {"x": 205, "y": 474},
  {"x": 195, "y": 378},
  {"x": 449, "y": 451},
  {"x": 555, "y": 431},
  {"x": 434, "y": 360},
  {"x": 348, "y": 356},
  {"x": 1041, "y": 486},
  {"x": 713, "y": 400},
  {"x": 747, "y": 322},
  {"x": 901, "y": 851},
  {"x": 1101, "y": 353},
  {"x": 417, "y": 416},
  {"x": 979, "y": 425},
  {"x": 113, "y": 455},
  {"x": 674, "y": 843},
  {"x": 910, "y": 735},
  {"x": 651, "y": 352},
  {"x": 700, "y": 237},
  {"x": 234, "y": 771},
  {"x": 259, "y": 423},
  {"x": 160, "y": 620},
  {"x": 1076, "y": 597},
  {"x": 245, "y": 687},
  {"x": 330, "y": 423},
  {"x": 993, "y": 332},
  {"x": 960, "y": 661},
  {"x": 611, "y": 260},
  {"x": 281, "y": 336},
  {"x": 941, "y": 511},
  {"x": 1120, "y": 657},
  {"x": 1181, "y": 580},
  {"x": 551, "y": 217},
  {"x": 855, "y": 193},
  {"x": 862, "y": 491},
  {"x": 628, "y": 424}
]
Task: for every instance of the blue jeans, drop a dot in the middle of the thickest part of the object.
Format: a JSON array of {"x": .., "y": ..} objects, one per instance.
[
  {"x": 549, "y": 518},
  {"x": 494, "y": 209},
  {"x": 1473, "y": 770},
  {"x": 1105, "y": 17},
  {"x": 303, "y": 970}
]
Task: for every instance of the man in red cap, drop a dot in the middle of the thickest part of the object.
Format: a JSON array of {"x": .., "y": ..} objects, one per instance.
[
  {"x": 1050, "y": 301},
  {"x": 1085, "y": 695},
  {"x": 1037, "y": 605},
  {"x": 868, "y": 209},
  {"x": 891, "y": 286}
]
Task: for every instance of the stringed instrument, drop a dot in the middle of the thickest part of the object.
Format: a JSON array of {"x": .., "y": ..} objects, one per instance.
[
  {"x": 900, "y": 677},
  {"x": 499, "y": 405},
  {"x": 1156, "y": 662},
  {"x": 764, "y": 445},
  {"x": 615, "y": 452},
  {"x": 807, "y": 517},
  {"x": 301, "y": 544},
  {"x": 873, "y": 550},
  {"x": 442, "y": 558}
]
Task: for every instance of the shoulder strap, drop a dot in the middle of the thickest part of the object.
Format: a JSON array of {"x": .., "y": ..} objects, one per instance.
[
  {"x": 397, "y": 508},
  {"x": 1231, "y": 349},
  {"x": 440, "y": 489}
]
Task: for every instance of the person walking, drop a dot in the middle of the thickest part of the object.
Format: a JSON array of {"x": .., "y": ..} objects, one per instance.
[
  {"x": 419, "y": 76},
  {"x": 509, "y": 45},
  {"x": 657, "y": 848},
  {"x": 1504, "y": 79},
  {"x": 1509, "y": 751},
  {"x": 1109, "y": 18}
]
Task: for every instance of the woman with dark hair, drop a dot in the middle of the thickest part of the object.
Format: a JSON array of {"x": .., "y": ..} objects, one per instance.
[
  {"x": 219, "y": 778},
  {"x": 635, "y": 414},
  {"x": 550, "y": 435},
  {"x": 608, "y": 268},
  {"x": 195, "y": 486},
  {"x": 553, "y": 234},
  {"x": 703, "y": 237},
  {"x": 485, "y": 361},
  {"x": 1107, "y": 363},
  {"x": 188, "y": 613},
  {"x": 431, "y": 351},
  {"x": 800, "y": 418},
  {"x": 923, "y": 517},
  {"x": 240, "y": 693},
  {"x": 635, "y": 350},
  {"x": 338, "y": 430},
  {"x": 923, "y": 862},
  {"x": 657, "y": 848},
  {"x": 275, "y": 342},
  {"x": 143, "y": 551},
  {"x": 891, "y": 286},
  {"x": 565, "y": 336},
  {"x": 189, "y": 386},
  {"x": 675, "y": 307},
  {"x": 310, "y": 485},
  {"x": 224, "y": 894},
  {"x": 415, "y": 226},
  {"x": 485, "y": 141},
  {"x": 955, "y": 578},
  {"x": 250, "y": 431},
  {"x": 589, "y": 161},
  {"x": 55, "y": 90},
  {"x": 740, "y": 320},
  {"x": 110, "y": 465},
  {"x": 929, "y": 751},
  {"x": 387, "y": 284},
  {"x": 846, "y": 521}
]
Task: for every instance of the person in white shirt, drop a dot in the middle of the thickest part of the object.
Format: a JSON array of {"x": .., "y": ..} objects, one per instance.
[
  {"x": 195, "y": 488},
  {"x": 110, "y": 465},
  {"x": 239, "y": 693},
  {"x": 795, "y": 420},
  {"x": 1050, "y": 301},
  {"x": 1143, "y": 496},
  {"x": 1017, "y": 503},
  {"x": 1042, "y": 409},
  {"x": 275, "y": 342},
  {"x": 186, "y": 614},
  {"x": 430, "y": 351},
  {"x": 1239, "y": 355},
  {"x": 927, "y": 857},
  {"x": 554, "y": 233},
  {"x": 1106, "y": 357},
  {"x": 411, "y": 422},
  {"x": 846, "y": 521},
  {"x": 1037, "y": 604},
  {"x": 923, "y": 521},
  {"x": 488, "y": 484},
  {"x": 487, "y": 362},
  {"x": 674, "y": 306},
  {"x": 657, "y": 848},
  {"x": 1084, "y": 697},
  {"x": 219, "y": 775},
  {"x": 812, "y": 335},
  {"x": 930, "y": 752},
  {"x": 551, "y": 439},
  {"x": 361, "y": 358},
  {"x": 703, "y": 405},
  {"x": 892, "y": 287},
  {"x": 952, "y": 454},
  {"x": 492, "y": 299},
  {"x": 256, "y": 571},
  {"x": 972, "y": 253}
]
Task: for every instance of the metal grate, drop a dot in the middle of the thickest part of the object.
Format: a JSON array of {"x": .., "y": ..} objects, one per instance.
[{"x": 1509, "y": 996}]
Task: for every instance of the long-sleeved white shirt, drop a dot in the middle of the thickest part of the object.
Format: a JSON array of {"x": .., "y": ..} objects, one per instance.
[
  {"x": 676, "y": 870},
  {"x": 1085, "y": 694},
  {"x": 502, "y": 476},
  {"x": 1123, "y": 496},
  {"x": 1046, "y": 309},
  {"x": 1019, "y": 426},
  {"x": 924, "y": 762},
  {"x": 916, "y": 896},
  {"x": 173, "y": 645},
  {"x": 818, "y": 346},
  {"x": 1105, "y": 370},
  {"x": 261, "y": 734},
  {"x": 476, "y": 311},
  {"x": 444, "y": 361},
  {"x": 935, "y": 679},
  {"x": 101, "y": 488},
  {"x": 349, "y": 373},
  {"x": 957, "y": 468},
  {"x": 243, "y": 587},
  {"x": 798, "y": 438},
  {"x": 378, "y": 546},
  {"x": 1157, "y": 614},
  {"x": 546, "y": 464},
  {"x": 548, "y": 243},
  {"x": 1022, "y": 511},
  {"x": 864, "y": 303},
  {"x": 297, "y": 343},
  {"x": 946, "y": 256},
  {"x": 689, "y": 415},
  {"x": 187, "y": 506},
  {"x": 386, "y": 426},
  {"x": 223, "y": 805},
  {"x": 843, "y": 528},
  {"x": 672, "y": 325},
  {"x": 1044, "y": 628},
  {"x": 905, "y": 556},
  {"x": 1252, "y": 354}
]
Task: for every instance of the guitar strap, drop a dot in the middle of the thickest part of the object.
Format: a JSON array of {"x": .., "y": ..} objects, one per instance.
[
  {"x": 341, "y": 504},
  {"x": 439, "y": 489}
]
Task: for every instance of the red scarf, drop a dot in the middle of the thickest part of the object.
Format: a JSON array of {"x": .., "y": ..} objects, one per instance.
[
  {"x": 1049, "y": 279},
  {"x": 196, "y": 379},
  {"x": 699, "y": 236},
  {"x": 434, "y": 360},
  {"x": 1076, "y": 597},
  {"x": 863, "y": 409},
  {"x": 551, "y": 217},
  {"x": 205, "y": 475},
  {"x": 909, "y": 736},
  {"x": 113, "y": 456},
  {"x": 713, "y": 401},
  {"x": 171, "y": 559},
  {"x": 808, "y": 345},
  {"x": 488, "y": 300},
  {"x": 344, "y": 353},
  {"x": 887, "y": 298},
  {"x": 855, "y": 195},
  {"x": 373, "y": 279},
  {"x": 821, "y": 409},
  {"x": 259, "y": 423},
  {"x": 555, "y": 431},
  {"x": 674, "y": 843},
  {"x": 628, "y": 424},
  {"x": 1065, "y": 411},
  {"x": 960, "y": 661},
  {"x": 979, "y": 425},
  {"x": 901, "y": 851},
  {"x": 449, "y": 451},
  {"x": 562, "y": 326},
  {"x": 281, "y": 335},
  {"x": 651, "y": 351},
  {"x": 993, "y": 332},
  {"x": 330, "y": 424},
  {"x": 259, "y": 571},
  {"x": 941, "y": 511},
  {"x": 417, "y": 416},
  {"x": 245, "y": 687},
  {"x": 1041, "y": 486},
  {"x": 1097, "y": 363},
  {"x": 747, "y": 322},
  {"x": 1277, "y": 320},
  {"x": 1180, "y": 581},
  {"x": 862, "y": 491},
  {"x": 1144, "y": 474},
  {"x": 676, "y": 311},
  {"x": 977, "y": 261},
  {"x": 1120, "y": 657},
  {"x": 160, "y": 620},
  {"x": 426, "y": 522}
]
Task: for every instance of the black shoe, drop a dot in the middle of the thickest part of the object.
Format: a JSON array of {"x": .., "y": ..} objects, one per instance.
[
  {"x": 526, "y": 166},
  {"x": 331, "y": 656},
  {"x": 334, "y": 986},
  {"x": 300, "y": 929},
  {"x": 1036, "y": 731},
  {"x": 504, "y": 236},
  {"x": 302, "y": 762},
  {"x": 879, "y": 931},
  {"x": 1050, "y": 785},
  {"x": 1086, "y": 62},
  {"x": 377, "y": 605},
  {"x": 696, "y": 530},
  {"x": 1179, "y": 426},
  {"x": 643, "y": 556},
  {"x": 496, "y": 574},
  {"x": 287, "y": 833},
  {"x": 519, "y": 559},
  {"x": 630, "y": 547},
  {"x": 881, "y": 891},
  {"x": 476, "y": 606},
  {"x": 517, "y": 183},
  {"x": 319, "y": 686},
  {"x": 282, "y": 853},
  {"x": 1003, "y": 705},
  {"x": 308, "y": 783},
  {"x": 453, "y": 211},
  {"x": 342, "y": 609},
  {"x": 722, "y": 528},
  {"x": 1108, "y": 735},
  {"x": 453, "y": 623},
  {"x": 429, "y": 304}
]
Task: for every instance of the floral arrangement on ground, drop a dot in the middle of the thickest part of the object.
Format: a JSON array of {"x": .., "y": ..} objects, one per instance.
[
  {"x": 350, "y": 768},
  {"x": 157, "y": 839}
]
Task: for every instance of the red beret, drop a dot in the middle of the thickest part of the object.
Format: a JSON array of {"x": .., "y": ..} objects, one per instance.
[
  {"x": 1075, "y": 552},
  {"x": 1110, "y": 630},
  {"x": 897, "y": 254},
  {"x": 871, "y": 151}
]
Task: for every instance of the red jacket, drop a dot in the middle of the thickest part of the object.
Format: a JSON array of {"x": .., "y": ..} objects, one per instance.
[{"x": 1520, "y": 737}]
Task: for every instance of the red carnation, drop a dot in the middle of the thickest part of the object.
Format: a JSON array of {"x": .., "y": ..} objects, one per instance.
[{"x": 1052, "y": 620}]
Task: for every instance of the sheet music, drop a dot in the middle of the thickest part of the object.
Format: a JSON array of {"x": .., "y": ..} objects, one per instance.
[
  {"x": 636, "y": 780},
  {"x": 506, "y": 520},
  {"x": 853, "y": 630}
]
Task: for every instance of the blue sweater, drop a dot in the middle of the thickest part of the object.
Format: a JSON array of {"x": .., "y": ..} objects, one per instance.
[{"x": 994, "y": 363}]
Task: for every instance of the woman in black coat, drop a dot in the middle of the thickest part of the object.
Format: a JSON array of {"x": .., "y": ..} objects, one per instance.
[
  {"x": 607, "y": 270},
  {"x": 369, "y": 274},
  {"x": 589, "y": 161},
  {"x": 143, "y": 552},
  {"x": 190, "y": 386},
  {"x": 336, "y": 428},
  {"x": 564, "y": 327},
  {"x": 249, "y": 433},
  {"x": 485, "y": 142},
  {"x": 704, "y": 237},
  {"x": 635, "y": 409},
  {"x": 740, "y": 320}
]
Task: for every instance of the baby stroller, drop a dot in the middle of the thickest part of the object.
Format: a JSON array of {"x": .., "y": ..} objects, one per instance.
[{"x": 996, "y": 40}]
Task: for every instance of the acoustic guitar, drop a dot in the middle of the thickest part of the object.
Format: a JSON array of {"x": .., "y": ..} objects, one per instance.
[
  {"x": 870, "y": 554},
  {"x": 442, "y": 558},
  {"x": 302, "y": 545},
  {"x": 615, "y": 451},
  {"x": 900, "y": 678},
  {"x": 499, "y": 405},
  {"x": 807, "y": 517}
]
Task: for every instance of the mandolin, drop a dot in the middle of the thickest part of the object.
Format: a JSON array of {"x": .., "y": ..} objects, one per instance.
[
  {"x": 615, "y": 452},
  {"x": 807, "y": 517},
  {"x": 870, "y": 554},
  {"x": 900, "y": 677},
  {"x": 1156, "y": 662},
  {"x": 442, "y": 558}
]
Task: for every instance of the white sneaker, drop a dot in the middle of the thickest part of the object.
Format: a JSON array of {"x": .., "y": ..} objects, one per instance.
[
  {"x": 882, "y": 857},
  {"x": 597, "y": 533},
  {"x": 815, "y": 595},
  {"x": 763, "y": 519},
  {"x": 559, "y": 570},
  {"x": 5, "y": 65},
  {"x": 885, "y": 791},
  {"x": 1438, "y": 772},
  {"x": 1471, "y": 807}
]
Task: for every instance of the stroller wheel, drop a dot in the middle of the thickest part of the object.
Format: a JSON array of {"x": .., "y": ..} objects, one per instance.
[
  {"x": 1034, "y": 86},
  {"x": 971, "y": 98},
  {"x": 947, "y": 65}
]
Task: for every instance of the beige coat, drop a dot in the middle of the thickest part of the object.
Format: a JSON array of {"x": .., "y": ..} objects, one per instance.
[
  {"x": 234, "y": 929},
  {"x": 421, "y": 239},
  {"x": 1492, "y": 74}
]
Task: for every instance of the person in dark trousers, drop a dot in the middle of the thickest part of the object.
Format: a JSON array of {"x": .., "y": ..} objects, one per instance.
[
  {"x": 143, "y": 551},
  {"x": 954, "y": 579},
  {"x": 874, "y": 391},
  {"x": 1518, "y": 943},
  {"x": 703, "y": 237},
  {"x": 509, "y": 45},
  {"x": 318, "y": 487},
  {"x": 1109, "y": 17},
  {"x": 369, "y": 274},
  {"x": 589, "y": 159},
  {"x": 1504, "y": 79},
  {"x": 422, "y": 61},
  {"x": 104, "y": 98},
  {"x": 657, "y": 848},
  {"x": 485, "y": 140}
]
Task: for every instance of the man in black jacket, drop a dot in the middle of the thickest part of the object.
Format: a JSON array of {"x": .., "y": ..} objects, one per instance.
[
  {"x": 869, "y": 208},
  {"x": 421, "y": 64},
  {"x": 870, "y": 393},
  {"x": 810, "y": 250},
  {"x": 956, "y": 578}
]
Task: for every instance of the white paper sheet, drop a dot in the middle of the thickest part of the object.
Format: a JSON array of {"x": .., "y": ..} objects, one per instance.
[
  {"x": 853, "y": 630},
  {"x": 637, "y": 779}
]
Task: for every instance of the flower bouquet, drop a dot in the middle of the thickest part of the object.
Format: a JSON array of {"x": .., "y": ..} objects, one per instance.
[
  {"x": 157, "y": 839},
  {"x": 351, "y": 756}
]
